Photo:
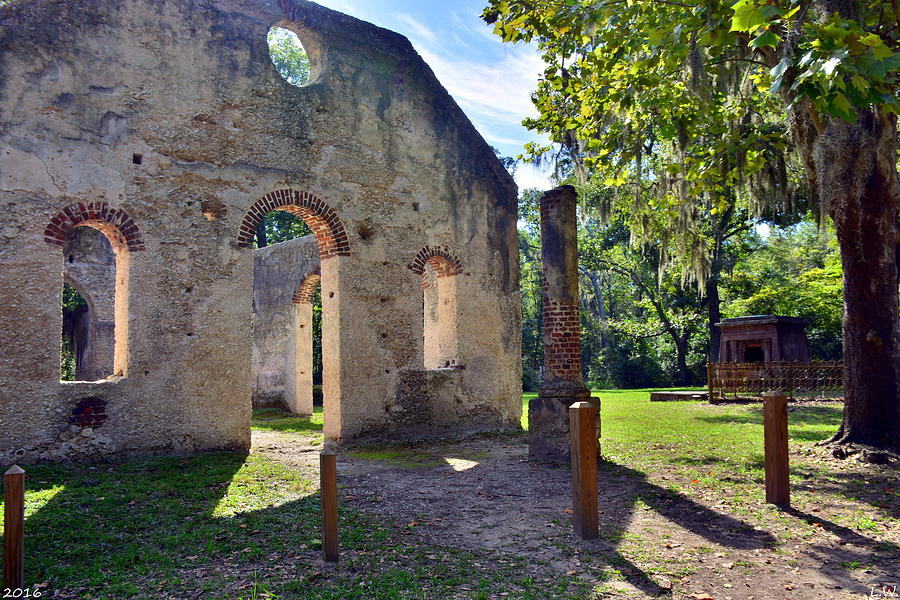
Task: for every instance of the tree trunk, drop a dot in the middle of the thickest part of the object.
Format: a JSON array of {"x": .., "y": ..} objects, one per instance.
[
  {"x": 261, "y": 241},
  {"x": 855, "y": 165},
  {"x": 714, "y": 311},
  {"x": 681, "y": 350}
]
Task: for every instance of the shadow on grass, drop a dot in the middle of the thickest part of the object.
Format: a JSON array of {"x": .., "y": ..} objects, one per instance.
[
  {"x": 622, "y": 489},
  {"x": 703, "y": 521},
  {"x": 798, "y": 414},
  {"x": 209, "y": 526},
  {"x": 235, "y": 526},
  {"x": 845, "y": 534},
  {"x": 878, "y": 488},
  {"x": 618, "y": 501}
]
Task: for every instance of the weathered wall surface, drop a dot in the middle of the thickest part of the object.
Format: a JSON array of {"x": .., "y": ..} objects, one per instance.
[
  {"x": 281, "y": 340},
  {"x": 162, "y": 122}
]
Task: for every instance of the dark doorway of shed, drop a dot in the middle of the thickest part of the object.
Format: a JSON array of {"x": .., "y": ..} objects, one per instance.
[{"x": 753, "y": 354}]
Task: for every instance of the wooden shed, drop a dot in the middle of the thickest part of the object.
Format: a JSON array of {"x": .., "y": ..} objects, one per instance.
[{"x": 763, "y": 338}]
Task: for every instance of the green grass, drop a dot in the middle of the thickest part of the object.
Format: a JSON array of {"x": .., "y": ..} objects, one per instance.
[
  {"x": 273, "y": 419},
  {"x": 227, "y": 525}
]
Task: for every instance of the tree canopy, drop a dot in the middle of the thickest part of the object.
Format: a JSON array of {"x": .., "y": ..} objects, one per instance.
[
  {"x": 288, "y": 56},
  {"x": 700, "y": 102}
]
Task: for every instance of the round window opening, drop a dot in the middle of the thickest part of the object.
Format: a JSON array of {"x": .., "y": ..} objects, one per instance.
[{"x": 288, "y": 56}]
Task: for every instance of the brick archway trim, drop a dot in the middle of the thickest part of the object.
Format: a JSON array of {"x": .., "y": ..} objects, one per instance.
[
  {"x": 444, "y": 262},
  {"x": 325, "y": 224},
  {"x": 306, "y": 291},
  {"x": 113, "y": 222}
]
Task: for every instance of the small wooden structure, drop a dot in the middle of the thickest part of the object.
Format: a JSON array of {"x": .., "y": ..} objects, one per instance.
[{"x": 763, "y": 338}]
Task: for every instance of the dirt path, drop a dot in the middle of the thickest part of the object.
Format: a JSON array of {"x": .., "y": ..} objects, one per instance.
[{"x": 482, "y": 492}]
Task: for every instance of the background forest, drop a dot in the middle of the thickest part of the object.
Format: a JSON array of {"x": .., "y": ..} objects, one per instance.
[{"x": 644, "y": 325}]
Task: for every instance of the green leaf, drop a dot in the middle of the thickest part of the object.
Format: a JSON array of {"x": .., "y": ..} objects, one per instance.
[
  {"x": 871, "y": 40},
  {"x": 844, "y": 108},
  {"x": 831, "y": 64},
  {"x": 881, "y": 52},
  {"x": 790, "y": 13},
  {"x": 767, "y": 39},
  {"x": 777, "y": 74},
  {"x": 747, "y": 16}
]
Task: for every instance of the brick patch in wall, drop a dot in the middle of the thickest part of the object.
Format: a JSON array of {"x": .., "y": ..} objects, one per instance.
[
  {"x": 563, "y": 327},
  {"x": 89, "y": 412},
  {"x": 444, "y": 262},
  {"x": 306, "y": 291},
  {"x": 115, "y": 223},
  {"x": 321, "y": 219}
]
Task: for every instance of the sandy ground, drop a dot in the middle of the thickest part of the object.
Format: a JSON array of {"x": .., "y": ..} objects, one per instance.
[{"x": 483, "y": 493}]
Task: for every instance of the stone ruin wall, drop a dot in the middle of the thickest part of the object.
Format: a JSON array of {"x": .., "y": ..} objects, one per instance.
[
  {"x": 285, "y": 279},
  {"x": 164, "y": 124}
]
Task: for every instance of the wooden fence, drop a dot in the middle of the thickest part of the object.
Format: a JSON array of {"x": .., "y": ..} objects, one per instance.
[{"x": 818, "y": 376}]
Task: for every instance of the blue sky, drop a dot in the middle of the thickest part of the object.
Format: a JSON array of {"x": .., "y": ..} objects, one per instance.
[{"x": 491, "y": 81}]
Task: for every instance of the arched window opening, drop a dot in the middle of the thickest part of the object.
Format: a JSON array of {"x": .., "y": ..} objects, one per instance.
[
  {"x": 439, "y": 299},
  {"x": 291, "y": 330},
  {"x": 89, "y": 299},
  {"x": 308, "y": 340},
  {"x": 279, "y": 226},
  {"x": 75, "y": 312},
  {"x": 289, "y": 56},
  {"x": 97, "y": 242},
  {"x": 439, "y": 268}
]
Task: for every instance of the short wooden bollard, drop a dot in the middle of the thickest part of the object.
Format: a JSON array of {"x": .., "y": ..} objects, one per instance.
[
  {"x": 328, "y": 470},
  {"x": 14, "y": 528},
  {"x": 583, "y": 450},
  {"x": 775, "y": 432}
]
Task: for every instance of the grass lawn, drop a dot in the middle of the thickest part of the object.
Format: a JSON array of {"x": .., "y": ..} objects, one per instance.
[{"x": 223, "y": 525}]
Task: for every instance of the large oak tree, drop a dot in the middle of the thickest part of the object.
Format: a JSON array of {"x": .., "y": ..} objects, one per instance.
[{"x": 622, "y": 71}]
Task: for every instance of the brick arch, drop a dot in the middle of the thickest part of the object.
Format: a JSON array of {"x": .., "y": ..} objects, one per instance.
[
  {"x": 444, "y": 262},
  {"x": 325, "y": 224},
  {"x": 115, "y": 223},
  {"x": 306, "y": 291}
]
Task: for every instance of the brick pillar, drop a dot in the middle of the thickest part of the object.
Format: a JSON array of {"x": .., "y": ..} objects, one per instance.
[{"x": 548, "y": 417}]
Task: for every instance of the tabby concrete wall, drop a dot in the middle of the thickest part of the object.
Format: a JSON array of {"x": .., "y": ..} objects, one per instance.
[
  {"x": 282, "y": 338},
  {"x": 164, "y": 124}
]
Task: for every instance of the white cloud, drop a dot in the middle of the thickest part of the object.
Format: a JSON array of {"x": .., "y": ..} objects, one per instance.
[
  {"x": 500, "y": 90},
  {"x": 491, "y": 81},
  {"x": 419, "y": 30},
  {"x": 527, "y": 176}
]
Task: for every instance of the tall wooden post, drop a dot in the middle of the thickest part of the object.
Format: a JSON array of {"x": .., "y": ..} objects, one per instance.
[
  {"x": 548, "y": 421},
  {"x": 583, "y": 449},
  {"x": 776, "y": 448},
  {"x": 14, "y": 528},
  {"x": 328, "y": 472}
]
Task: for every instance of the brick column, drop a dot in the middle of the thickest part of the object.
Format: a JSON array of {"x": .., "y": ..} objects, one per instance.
[{"x": 548, "y": 418}]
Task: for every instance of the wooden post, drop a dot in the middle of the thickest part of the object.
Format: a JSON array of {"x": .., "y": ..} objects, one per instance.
[
  {"x": 776, "y": 447},
  {"x": 14, "y": 528},
  {"x": 328, "y": 470},
  {"x": 583, "y": 448}
]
